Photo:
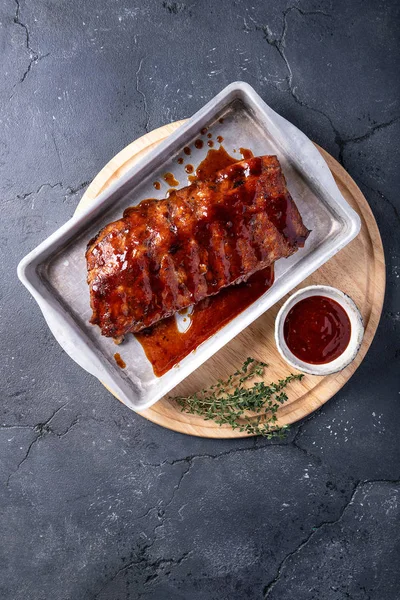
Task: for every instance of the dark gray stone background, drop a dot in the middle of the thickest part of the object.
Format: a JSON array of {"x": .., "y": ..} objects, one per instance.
[{"x": 96, "y": 502}]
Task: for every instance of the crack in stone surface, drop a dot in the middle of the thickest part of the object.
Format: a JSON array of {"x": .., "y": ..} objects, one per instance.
[
  {"x": 162, "y": 513},
  {"x": 370, "y": 132},
  {"x": 279, "y": 43},
  {"x": 298, "y": 433},
  {"x": 146, "y": 564},
  {"x": 165, "y": 562},
  {"x": 306, "y": 452},
  {"x": 16, "y": 427},
  {"x": 41, "y": 429},
  {"x": 43, "y": 185},
  {"x": 394, "y": 316},
  {"x": 140, "y": 558},
  {"x": 193, "y": 457},
  {"x": 69, "y": 191},
  {"x": 343, "y": 142},
  {"x": 383, "y": 197},
  {"x": 143, "y": 96},
  {"x": 70, "y": 426},
  {"x": 304, "y": 422},
  {"x": 394, "y": 207},
  {"x": 254, "y": 448},
  {"x": 162, "y": 507},
  {"x": 178, "y": 485},
  {"x": 57, "y": 151},
  {"x": 25, "y": 458},
  {"x": 270, "y": 586},
  {"x": 174, "y": 8},
  {"x": 340, "y": 141},
  {"x": 34, "y": 56}
]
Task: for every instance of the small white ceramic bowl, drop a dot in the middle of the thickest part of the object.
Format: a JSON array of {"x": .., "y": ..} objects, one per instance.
[{"x": 357, "y": 330}]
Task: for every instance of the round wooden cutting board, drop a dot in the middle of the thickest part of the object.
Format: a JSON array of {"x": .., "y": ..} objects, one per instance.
[{"x": 358, "y": 270}]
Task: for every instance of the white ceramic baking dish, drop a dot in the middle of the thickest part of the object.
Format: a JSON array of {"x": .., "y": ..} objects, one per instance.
[{"x": 55, "y": 272}]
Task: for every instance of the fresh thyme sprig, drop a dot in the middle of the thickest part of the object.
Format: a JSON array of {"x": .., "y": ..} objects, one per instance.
[{"x": 231, "y": 401}]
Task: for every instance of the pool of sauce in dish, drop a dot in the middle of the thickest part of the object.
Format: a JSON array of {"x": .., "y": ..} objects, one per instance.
[
  {"x": 210, "y": 143},
  {"x": 189, "y": 168},
  {"x": 317, "y": 330},
  {"x": 163, "y": 343},
  {"x": 246, "y": 153},
  {"x": 213, "y": 162},
  {"x": 199, "y": 144},
  {"x": 220, "y": 139},
  {"x": 119, "y": 360},
  {"x": 170, "y": 179},
  {"x": 187, "y": 150}
]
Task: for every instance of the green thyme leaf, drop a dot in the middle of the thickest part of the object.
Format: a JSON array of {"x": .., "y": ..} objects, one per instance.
[{"x": 230, "y": 402}]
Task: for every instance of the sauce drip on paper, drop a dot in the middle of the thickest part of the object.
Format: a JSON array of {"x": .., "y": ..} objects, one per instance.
[
  {"x": 170, "y": 179},
  {"x": 119, "y": 360}
]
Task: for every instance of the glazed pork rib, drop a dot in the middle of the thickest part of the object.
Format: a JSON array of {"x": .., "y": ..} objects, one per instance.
[{"x": 165, "y": 255}]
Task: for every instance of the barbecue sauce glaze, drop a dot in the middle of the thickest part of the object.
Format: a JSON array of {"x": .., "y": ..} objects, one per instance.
[
  {"x": 317, "y": 330},
  {"x": 163, "y": 343},
  {"x": 170, "y": 179},
  {"x": 119, "y": 361}
]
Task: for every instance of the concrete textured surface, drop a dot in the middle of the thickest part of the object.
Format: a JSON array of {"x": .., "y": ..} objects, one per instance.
[{"x": 96, "y": 503}]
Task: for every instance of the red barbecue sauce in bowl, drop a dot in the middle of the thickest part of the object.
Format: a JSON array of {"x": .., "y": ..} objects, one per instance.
[{"x": 317, "y": 330}]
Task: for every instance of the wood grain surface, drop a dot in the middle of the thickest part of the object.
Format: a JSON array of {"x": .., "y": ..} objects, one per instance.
[{"x": 358, "y": 270}]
